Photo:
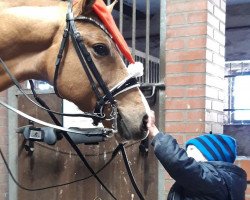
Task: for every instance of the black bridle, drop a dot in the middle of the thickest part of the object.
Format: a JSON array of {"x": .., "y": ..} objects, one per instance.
[{"x": 90, "y": 69}]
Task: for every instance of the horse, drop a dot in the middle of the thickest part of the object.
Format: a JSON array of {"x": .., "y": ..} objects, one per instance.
[{"x": 31, "y": 34}]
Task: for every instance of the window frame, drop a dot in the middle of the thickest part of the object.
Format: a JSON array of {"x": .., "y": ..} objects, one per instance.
[{"x": 235, "y": 69}]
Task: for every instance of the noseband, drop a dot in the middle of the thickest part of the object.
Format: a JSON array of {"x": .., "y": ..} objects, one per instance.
[{"x": 90, "y": 68}]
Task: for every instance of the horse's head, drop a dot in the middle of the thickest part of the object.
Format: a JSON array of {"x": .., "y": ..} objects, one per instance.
[{"x": 73, "y": 83}]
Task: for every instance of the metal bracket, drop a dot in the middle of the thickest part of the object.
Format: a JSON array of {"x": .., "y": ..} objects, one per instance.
[
  {"x": 150, "y": 91},
  {"x": 48, "y": 135}
]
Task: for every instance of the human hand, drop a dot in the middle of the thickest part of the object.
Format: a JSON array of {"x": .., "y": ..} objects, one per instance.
[{"x": 153, "y": 130}]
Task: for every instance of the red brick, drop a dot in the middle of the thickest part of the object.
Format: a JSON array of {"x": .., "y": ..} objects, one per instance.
[
  {"x": 195, "y": 17},
  {"x": 197, "y": 42},
  {"x": 174, "y": 116},
  {"x": 185, "y": 55},
  {"x": 175, "y": 68},
  {"x": 196, "y": 92},
  {"x": 184, "y": 127},
  {"x": 186, "y": 31},
  {"x": 176, "y": 19},
  {"x": 196, "y": 67},
  {"x": 196, "y": 116},
  {"x": 186, "y": 6},
  {"x": 175, "y": 44},
  {"x": 176, "y": 92},
  {"x": 183, "y": 104},
  {"x": 186, "y": 80}
]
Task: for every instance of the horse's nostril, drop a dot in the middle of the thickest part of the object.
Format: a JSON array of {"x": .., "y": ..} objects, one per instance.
[
  {"x": 144, "y": 123},
  {"x": 145, "y": 119}
]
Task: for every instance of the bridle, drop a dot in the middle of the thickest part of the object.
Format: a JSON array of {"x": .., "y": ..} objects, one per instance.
[{"x": 94, "y": 77}]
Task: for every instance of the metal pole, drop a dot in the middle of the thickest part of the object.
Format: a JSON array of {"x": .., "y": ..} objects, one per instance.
[
  {"x": 133, "y": 28},
  {"x": 162, "y": 95},
  {"x": 13, "y": 143},
  {"x": 121, "y": 16},
  {"x": 147, "y": 40}
]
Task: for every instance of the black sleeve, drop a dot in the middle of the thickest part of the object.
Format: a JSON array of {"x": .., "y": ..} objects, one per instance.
[{"x": 184, "y": 170}]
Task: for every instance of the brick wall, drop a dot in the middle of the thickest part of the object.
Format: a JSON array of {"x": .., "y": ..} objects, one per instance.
[
  {"x": 4, "y": 148},
  {"x": 185, "y": 68},
  {"x": 195, "y": 86}
]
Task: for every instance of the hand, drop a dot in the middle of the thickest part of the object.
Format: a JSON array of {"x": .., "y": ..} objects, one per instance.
[{"x": 153, "y": 130}]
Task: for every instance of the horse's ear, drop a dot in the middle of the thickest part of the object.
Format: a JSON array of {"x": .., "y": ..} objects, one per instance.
[
  {"x": 111, "y": 6},
  {"x": 82, "y": 6}
]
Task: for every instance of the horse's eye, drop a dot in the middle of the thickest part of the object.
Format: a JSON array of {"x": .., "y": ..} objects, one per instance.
[{"x": 101, "y": 49}]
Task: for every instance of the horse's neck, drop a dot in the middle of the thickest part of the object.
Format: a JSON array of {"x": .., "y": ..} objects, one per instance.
[{"x": 27, "y": 32}]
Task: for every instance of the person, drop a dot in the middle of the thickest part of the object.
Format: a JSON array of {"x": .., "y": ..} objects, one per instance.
[{"x": 205, "y": 170}]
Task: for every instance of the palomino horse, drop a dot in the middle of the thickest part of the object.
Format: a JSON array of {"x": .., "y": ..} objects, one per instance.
[{"x": 31, "y": 34}]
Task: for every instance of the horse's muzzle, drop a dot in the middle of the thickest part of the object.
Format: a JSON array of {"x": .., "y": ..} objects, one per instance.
[{"x": 130, "y": 133}]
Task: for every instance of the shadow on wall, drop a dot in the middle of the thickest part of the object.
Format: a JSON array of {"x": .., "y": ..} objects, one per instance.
[{"x": 242, "y": 134}]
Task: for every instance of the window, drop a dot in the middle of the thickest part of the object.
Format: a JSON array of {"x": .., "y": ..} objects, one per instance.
[
  {"x": 39, "y": 85},
  {"x": 239, "y": 93},
  {"x": 242, "y": 98}
]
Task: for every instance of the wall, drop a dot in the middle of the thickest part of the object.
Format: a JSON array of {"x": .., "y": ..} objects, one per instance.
[{"x": 195, "y": 85}]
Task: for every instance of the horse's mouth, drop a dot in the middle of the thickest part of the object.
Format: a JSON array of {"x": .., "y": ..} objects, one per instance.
[{"x": 128, "y": 134}]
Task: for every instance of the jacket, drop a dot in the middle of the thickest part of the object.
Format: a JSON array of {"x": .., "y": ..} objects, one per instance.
[{"x": 212, "y": 180}]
